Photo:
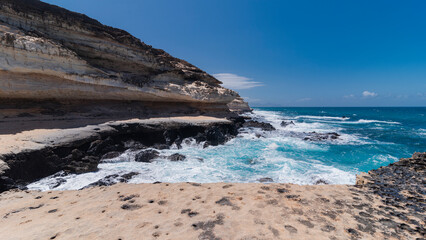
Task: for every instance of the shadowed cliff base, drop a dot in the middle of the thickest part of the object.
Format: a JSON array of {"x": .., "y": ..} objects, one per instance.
[{"x": 17, "y": 115}]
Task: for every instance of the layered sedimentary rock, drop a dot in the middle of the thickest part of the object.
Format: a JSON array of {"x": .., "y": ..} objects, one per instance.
[
  {"x": 239, "y": 105},
  {"x": 48, "y": 52}
]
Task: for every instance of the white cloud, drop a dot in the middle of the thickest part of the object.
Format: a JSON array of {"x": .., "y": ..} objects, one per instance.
[
  {"x": 349, "y": 96},
  {"x": 251, "y": 100},
  {"x": 369, "y": 94},
  {"x": 236, "y": 82}
]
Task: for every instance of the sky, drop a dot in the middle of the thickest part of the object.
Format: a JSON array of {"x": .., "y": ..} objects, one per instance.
[{"x": 328, "y": 53}]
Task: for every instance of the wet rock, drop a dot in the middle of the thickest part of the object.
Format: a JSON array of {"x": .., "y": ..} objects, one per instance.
[
  {"x": 86, "y": 164},
  {"x": 176, "y": 157},
  {"x": 215, "y": 136},
  {"x": 286, "y": 123},
  {"x": 97, "y": 147},
  {"x": 321, "y": 182},
  {"x": 161, "y": 146},
  {"x": 265, "y": 179},
  {"x": 261, "y": 125},
  {"x": 110, "y": 155},
  {"x": 146, "y": 155},
  {"x": 126, "y": 177},
  {"x": 170, "y": 136},
  {"x": 76, "y": 154},
  {"x": 314, "y": 136},
  {"x": 112, "y": 179},
  {"x": 133, "y": 145},
  {"x": 83, "y": 155}
]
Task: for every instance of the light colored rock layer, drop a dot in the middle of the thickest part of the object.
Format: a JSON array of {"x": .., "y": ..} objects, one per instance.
[{"x": 48, "y": 52}]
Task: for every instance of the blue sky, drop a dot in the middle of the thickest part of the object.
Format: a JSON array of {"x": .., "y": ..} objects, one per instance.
[{"x": 287, "y": 53}]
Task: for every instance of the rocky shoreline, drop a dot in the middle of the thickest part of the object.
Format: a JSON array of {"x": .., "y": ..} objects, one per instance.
[
  {"x": 387, "y": 203},
  {"x": 83, "y": 148}
]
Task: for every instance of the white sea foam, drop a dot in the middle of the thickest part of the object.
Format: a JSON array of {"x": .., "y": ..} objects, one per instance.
[
  {"x": 282, "y": 155},
  {"x": 376, "y": 121},
  {"x": 382, "y": 158},
  {"x": 323, "y": 117}
]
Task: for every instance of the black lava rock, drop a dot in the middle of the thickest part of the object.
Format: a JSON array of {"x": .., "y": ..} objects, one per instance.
[
  {"x": 147, "y": 155},
  {"x": 261, "y": 125},
  {"x": 176, "y": 157}
]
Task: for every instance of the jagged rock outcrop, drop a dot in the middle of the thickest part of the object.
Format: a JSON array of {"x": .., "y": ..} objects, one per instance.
[
  {"x": 48, "y": 52},
  {"x": 79, "y": 150},
  {"x": 238, "y": 105}
]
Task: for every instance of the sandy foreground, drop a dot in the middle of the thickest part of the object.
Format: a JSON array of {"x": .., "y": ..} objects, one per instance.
[{"x": 203, "y": 211}]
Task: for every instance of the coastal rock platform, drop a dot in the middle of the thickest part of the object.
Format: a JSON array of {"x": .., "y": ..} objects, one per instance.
[
  {"x": 31, "y": 155},
  {"x": 372, "y": 209}
]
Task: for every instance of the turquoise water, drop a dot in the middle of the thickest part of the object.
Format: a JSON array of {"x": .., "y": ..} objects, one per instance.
[
  {"x": 376, "y": 136},
  {"x": 369, "y": 138}
]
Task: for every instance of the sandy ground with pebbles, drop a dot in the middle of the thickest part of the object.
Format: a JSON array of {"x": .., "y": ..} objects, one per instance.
[{"x": 202, "y": 211}]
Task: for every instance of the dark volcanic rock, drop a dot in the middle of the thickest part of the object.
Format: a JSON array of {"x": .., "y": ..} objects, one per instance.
[
  {"x": 86, "y": 164},
  {"x": 110, "y": 155},
  {"x": 314, "y": 136},
  {"x": 146, "y": 155},
  {"x": 161, "y": 146},
  {"x": 261, "y": 125},
  {"x": 176, "y": 157},
  {"x": 112, "y": 179},
  {"x": 133, "y": 145},
  {"x": 265, "y": 179},
  {"x": 321, "y": 182},
  {"x": 84, "y": 155},
  {"x": 400, "y": 184},
  {"x": 286, "y": 123},
  {"x": 215, "y": 136}
]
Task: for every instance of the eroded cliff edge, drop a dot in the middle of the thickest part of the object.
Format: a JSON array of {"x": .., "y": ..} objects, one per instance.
[{"x": 48, "y": 52}]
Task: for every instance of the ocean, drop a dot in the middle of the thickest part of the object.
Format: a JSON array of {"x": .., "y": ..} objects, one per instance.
[{"x": 368, "y": 138}]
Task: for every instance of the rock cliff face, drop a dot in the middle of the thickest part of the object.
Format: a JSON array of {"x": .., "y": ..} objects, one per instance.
[{"x": 48, "y": 52}]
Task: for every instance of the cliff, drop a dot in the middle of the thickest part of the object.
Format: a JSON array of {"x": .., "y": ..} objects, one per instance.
[{"x": 48, "y": 52}]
